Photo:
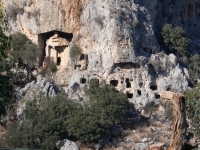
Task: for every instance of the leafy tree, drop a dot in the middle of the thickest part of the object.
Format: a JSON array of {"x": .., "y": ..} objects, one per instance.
[
  {"x": 75, "y": 51},
  {"x": 105, "y": 109},
  {"x": 52, "y": 66},
  {"x": 24, "y": 52},
  {"x": 6, "y": 89},
  {"x": 194, "y": 67},
  {"x": 175, "y": 39},
  {"x": 43, "y": 124},
  {"x": 192, "y": 99}
]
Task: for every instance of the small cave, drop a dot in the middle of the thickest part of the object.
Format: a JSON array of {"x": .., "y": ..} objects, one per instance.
[
  {"x": 128, "y": 65},
  {"x": 128, "y": 84},
  {"x": 147, "y": 50},
  {"x": 153, "y": 86},
  {"x": 139, "y": 92},
  {"x": 157, "y": 96},
  {"x": 83, "y": 80},
  {"x": 114, "y": 82},
  {"x": 43, "y": 37},
  {"x": 122, "y": 82},
  {"x": 58, "y": 61},
  {"x": 129, "y": 95}
]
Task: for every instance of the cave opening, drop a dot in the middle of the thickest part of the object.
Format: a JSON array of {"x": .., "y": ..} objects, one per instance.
[
  {"x": 153, "y": 86},
  {"x": 157, "y": 96},
  {"x": 139, "y": 92},
  {"x": 43, "y": 37},
  {"x": 114, "y": 82},
  {"x": 83, "y": 80},
  {"x": 82, "y": 57},
  {"x": 129, "y": 95},
  {"x": 127, "y": 65},
  {"x": 128, "y": 84},
  {"x": 58, "y": 61}
]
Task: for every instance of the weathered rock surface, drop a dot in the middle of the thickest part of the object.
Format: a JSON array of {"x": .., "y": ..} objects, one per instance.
[
  {"x": 67, "y": 145},
  {"x": 32, "y": 92},
  {"x": 119, "y": 38}
]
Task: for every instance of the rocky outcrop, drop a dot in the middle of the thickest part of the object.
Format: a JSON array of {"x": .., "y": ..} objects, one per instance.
[
  {"x": 120, "y": 41},
  {"x": 34, "y": 91},
  {"x": 67, "y": 145}
]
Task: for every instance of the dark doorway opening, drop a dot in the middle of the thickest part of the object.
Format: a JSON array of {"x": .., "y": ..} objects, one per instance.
[
  {"x": 58, "y": 61},
  {"x": 157, "y": 96},
  {"x": 139, "y": 92},
  {"x": 114, "y": 82},
  {"x": 153, "y": 86},
  {"x": 128, "y": 84},
  {"x": 83, "y": 80},
  {"x": 129, "y": 95}
]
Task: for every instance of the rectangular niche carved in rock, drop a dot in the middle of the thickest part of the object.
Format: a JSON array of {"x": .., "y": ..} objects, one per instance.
[
  {"x": 83, "y": 80},
  {"x": 127, "y": 65},
  {"x": 129, "y": 95},
  {"x": 157, "y": 96},
  {"x": 128, "y": 84},
  {"x": 153, "y": 86},
  {"x": 139, "y": 92},
  {"x": 58, "y": 61},
  {"x": 114, "y": 82}
]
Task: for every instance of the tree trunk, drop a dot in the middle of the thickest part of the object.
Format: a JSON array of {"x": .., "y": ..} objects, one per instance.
[{"x": 179, "y": 119}]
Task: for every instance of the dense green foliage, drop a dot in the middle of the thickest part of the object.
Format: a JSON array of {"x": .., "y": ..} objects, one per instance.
[
  {"x": 52, "y": 66},
  {"x": 192, "y": 99},
  {"x": 194, "y": 67},
  {"x": 105, "y": 108},
  {"x": 43, "y": 124},
  {"x": 6, "y": 89},
  {"x": 23, "y": 50},
  {"x": 175, "y": 39},
  {"x": 6, "y": 94},
  {"x": 75, "y": 51},
  {"x": 47, "y": 121}
]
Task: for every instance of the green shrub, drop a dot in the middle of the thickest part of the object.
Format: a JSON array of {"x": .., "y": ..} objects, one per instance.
[
  {"x": 52, "y": 66},
  {"x": 192, "y": 101},
  {"x": 43, "y": 124},
  {"x": 149, "y": 107},
  {"x": 105, "y": 108},
  {"x": 75, "y": 51},
  {"x": 194, "y": 67},
  {"x": 175, "y": 39},
  {"x": 56, "y": 119}
]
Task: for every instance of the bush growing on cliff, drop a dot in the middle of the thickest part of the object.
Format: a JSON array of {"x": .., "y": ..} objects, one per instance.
[
  {"x": 52, "y": 120},
  {"x": 75, "y": 52},
  {"x": 52, "y": 66},
  {"x": 105, "y": 108},
  {"x": 175, "y": 39},
  {"x": 192, "y": 99},
  {"x": 24, "y": 52},
  {"x": 43, "y": 124}
]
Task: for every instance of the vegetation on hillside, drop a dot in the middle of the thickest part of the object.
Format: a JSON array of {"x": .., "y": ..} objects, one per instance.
[
  {"x": 175, "y": 39},
  {"x": 47, "y": 121},
  {"x": 192, "y": 99},
  {"x": 6, "y": 89},
  {"x": 75, "y": 52},
  {"x": 177, "y": 42}
]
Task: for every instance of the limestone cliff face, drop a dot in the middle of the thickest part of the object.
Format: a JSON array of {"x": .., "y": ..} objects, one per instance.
[{"x": 119, "y": 38}]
